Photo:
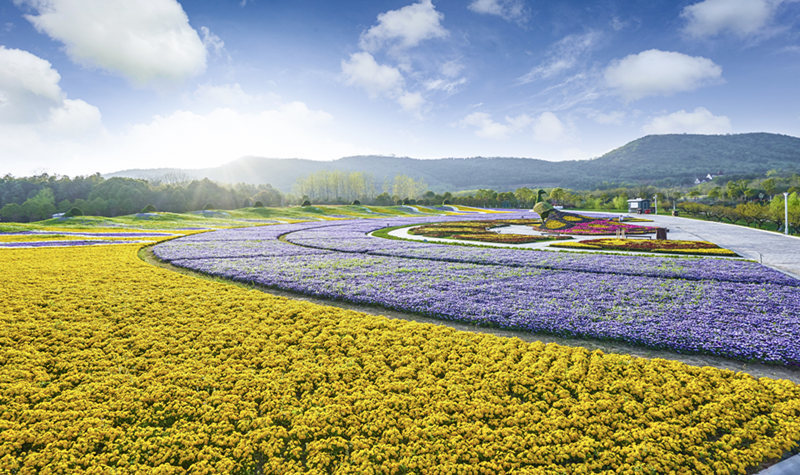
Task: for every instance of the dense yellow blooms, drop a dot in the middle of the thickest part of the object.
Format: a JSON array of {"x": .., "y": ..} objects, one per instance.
[{"x": 108, "y": 364}]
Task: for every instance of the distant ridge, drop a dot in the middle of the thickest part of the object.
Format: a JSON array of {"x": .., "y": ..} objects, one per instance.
[{"x": 655, "y": 159}]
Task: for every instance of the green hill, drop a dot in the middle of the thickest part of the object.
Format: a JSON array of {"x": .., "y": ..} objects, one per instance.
[{"x": 654, "y": 159}]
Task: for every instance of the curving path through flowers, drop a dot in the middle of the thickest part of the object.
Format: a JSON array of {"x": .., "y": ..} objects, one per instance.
[{"x": 730, "y": 309}]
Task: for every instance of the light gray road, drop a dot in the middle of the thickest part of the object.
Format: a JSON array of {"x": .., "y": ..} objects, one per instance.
[{"x": 773, "y": 249}]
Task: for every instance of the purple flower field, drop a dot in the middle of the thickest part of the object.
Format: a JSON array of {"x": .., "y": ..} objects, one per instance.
[{"x": 729, "y": 308}]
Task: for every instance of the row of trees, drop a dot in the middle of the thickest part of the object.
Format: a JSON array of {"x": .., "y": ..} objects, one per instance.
[
  {"x": 751, "y": 213},
  {"x": 39, "y": 197},
  {"x": 336, "y": 187}
]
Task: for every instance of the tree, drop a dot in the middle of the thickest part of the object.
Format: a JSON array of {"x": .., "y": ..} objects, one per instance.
[
  {"x": 770, "y": 186},
  {"x": 525, "y": 196},
  {"x": 41, "y": 206},
  {"x": 486, "y": 197},
  {"x": 558, "y": 196},
  {"x": 752, "y": 212},
  {"x": 383, "y": 199},
  {"x": 507, "y": 199},
  {"x": 620, "y": 202},
  {"x": 736, "y": 189},
  {"x": 405, "y": 187}
]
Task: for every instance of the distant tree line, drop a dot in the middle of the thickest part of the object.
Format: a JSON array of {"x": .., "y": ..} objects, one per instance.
[
  {"x": 39, "y": 197},
  {"x": 336, "y": 187},
  {"x": 754, "y": 201}
]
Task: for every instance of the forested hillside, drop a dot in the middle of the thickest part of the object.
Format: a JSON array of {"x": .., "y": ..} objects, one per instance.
[{"x": 656, "y": 159}]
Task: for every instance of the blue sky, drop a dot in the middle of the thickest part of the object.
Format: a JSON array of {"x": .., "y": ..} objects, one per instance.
[{"x": 103, "y": 85}]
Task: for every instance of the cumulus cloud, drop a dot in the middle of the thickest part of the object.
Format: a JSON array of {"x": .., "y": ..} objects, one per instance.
[
  {"x": 547, "y": 127},
  {"x": 377, "y": 79},
  {"x": 143, "y": 41},
  {"x": 405, "y": 27},
  {"x": 656, "y": 72},
  {"x": 699, "y": 121},
  {"x": 563, "y": 56},
  {"x": 25, "y": 77},
  {"x": 380, "y": 80},
  {"x": 487, "y": 128},
  {"x": 740, "y": 17},
  {"x": 37, "y": 119},
  {"x": 512, "y": 10},
  {"x": 30, "y": 95},
  {"x": 194, "y": 136}
]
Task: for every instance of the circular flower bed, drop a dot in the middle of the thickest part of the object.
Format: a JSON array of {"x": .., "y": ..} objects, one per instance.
[
  {"x": 567, "y": 223},
  {"x": 481, "y": 231}
]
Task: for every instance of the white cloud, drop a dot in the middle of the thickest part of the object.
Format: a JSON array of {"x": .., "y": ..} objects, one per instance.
[
  {"x": 405, "y": 27},
  {"x": 183, "y": 138},
  {"x": 563, "y": 56},
  {"x": 487, "y": 128},
  {"x": 699, "y": 121},
  {"x": 741, "y": 17},
  {"x": 450, "y": 87},
  {"x": 451, "y": 68},
  {"x": 30, "y": 95},
  {"x": 512, "y": 10},
  {"x": 411, "y": 102},
  {"x": 548, "y": 128},
  {"x": 656, "y": 72},
  {"x": 377, "y": 79},
  {"x": 145, "y": 41},
  {"x": 448, "y": 81},
  {"x": 211, "y": 41},
  {"x": 25, "y": 76},
  {"x": 380, "y": 80},
  {"x": 73, "y": 118},
  {"x": 37, "y": 120}
]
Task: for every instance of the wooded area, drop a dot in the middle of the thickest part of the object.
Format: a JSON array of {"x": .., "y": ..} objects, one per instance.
[{"x": 755, "y": 202}]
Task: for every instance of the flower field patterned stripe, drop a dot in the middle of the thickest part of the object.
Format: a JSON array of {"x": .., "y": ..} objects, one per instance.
[
  {"x": 66, "y": 243},
  {"x": 752, "y": 319},
  {"x": 679, "y": 315},
  {"x": 109, "y": 365},
  {"x": 352, "y": 238}
]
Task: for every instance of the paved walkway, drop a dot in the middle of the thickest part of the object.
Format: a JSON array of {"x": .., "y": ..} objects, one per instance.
[{"x": 772, "y": 249}]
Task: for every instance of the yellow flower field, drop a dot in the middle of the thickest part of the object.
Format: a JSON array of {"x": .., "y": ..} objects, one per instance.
[{"x": 110, "y": 365}]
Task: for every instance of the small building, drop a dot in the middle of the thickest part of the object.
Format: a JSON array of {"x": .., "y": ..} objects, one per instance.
[{"x": 640, "y": 206}]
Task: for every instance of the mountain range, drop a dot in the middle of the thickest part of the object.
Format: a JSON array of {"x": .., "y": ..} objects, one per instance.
[{"x": 675, "y": 159}]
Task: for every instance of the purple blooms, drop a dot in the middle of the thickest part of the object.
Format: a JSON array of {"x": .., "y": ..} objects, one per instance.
[{"x": 729, "y": 308}]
